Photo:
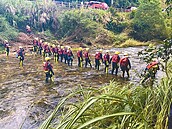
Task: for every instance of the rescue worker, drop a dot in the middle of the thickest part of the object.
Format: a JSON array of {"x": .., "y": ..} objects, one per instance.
[
  {"x": 87, "y": 58},
  {"x": 106, "y": 60},
  {"x": 69, "y": 56},
  {"x": 125, "y": 65},
  {"x": 115, "y": 60},
  {"x": 47, "y": 51},
  {"x": 98, "y": 57},
  {"x": 40, "y": 47},
  {"x": 35, "y": 45},
  {"x": 61, "y": 53},
  {"x": 20, "y": 55},
  {"x": 80, "y": 57},
  {"x": 28, "y": 29},
  {"x": 7, "y": 47},
  {"x": 48, "y": 69},
  {"x": 45, "y": 45},
  {"x": 56, "y": 54},
  {"x": 53, "y": 49},
  {"x": 65, "y": 54},
  {"x": 151, "y": 70}
]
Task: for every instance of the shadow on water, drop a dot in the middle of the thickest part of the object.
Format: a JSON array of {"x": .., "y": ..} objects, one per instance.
[{"x": 26, "y": 100}]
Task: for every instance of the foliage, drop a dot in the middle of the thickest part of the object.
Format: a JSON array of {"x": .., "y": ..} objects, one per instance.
[
  {"x": 116, "y": 107},
  {"x": 77, "y": 25},
  {"x": 6, "y": 31},
  {"x": 125, "y": 3},
  {"x": 148, "y": 22},
  {"x": 162, "y": 53}
]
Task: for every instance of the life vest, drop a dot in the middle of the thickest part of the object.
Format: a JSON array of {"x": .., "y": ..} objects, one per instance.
[
  {"x": 86, "y": 55},
  {"x": 115, "y": 58},
  {"x": 47, "y": 49},
  {"x": 45, "y": 46},
  {"x": 47, "y": 66},
  {"x": 20, "y": 52},
  {"x": 53, "y": 50},
  {"x": 124, "y": 61},
  {"x": 65, "y": 52},
  {"x": 56, "y": 50},
  {"x": 152, "y": 64},
  {"x": 106, "y": 57},
  {"x": 79, "y": 54},
  {"x": 35, "y": 43},
  {"x": 60, "y": 51},
  {"x": 69, "y": 53},
  {"x": 97, "y": 56}
]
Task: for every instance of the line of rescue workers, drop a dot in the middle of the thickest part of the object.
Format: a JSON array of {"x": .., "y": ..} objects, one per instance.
[{"x": 65, "y": 54}]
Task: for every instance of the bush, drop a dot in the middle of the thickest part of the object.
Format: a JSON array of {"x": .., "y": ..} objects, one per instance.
[
  {"x": 7, "y": 31},
  {"x": 148, "y": 23}
]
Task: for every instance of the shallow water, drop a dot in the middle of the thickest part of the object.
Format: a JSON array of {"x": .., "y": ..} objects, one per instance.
[{"x": 25, "y": 99}]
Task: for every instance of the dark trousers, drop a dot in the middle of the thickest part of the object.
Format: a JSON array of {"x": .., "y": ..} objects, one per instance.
[
  {"x": 115, "y": 67},
  {"x": 48, "y": 75},
  {"x": 61, "y": 57},
  {"x": 125, "y": 69},
  {"x": 70, "y": 60},
  {"x": 66, "y": 58},
  {"x": 79, "y": 62},
  {"x": 97, "y": 64},
  {"x": 87, "y": 60},
  {"x": 106, "y": 65}
]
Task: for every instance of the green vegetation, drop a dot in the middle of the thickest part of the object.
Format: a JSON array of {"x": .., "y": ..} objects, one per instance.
[
  {"x": 115, "y": 107},
  {"x": 7, "y": 31},
  {"x": 87, "y": 26},
  {"x": 149, "y": 22}
]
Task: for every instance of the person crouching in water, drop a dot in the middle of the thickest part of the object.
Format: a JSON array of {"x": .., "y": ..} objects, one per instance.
[
  {"x": 69, "y": 56},
  {"x": 115, "y": 60},
  {"x": 48, "y": 69},
  {"x": 87, "y": 58},
  {"x": 151, "y": 70},
  {"x": 106, "y": 60},
  {"x": 125, "y": 65},
  {"x": 20, "y": 55}
]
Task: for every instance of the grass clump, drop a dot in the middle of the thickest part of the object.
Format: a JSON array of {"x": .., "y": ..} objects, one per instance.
[
  {"x": 132, "y": 43},
  {"x": 116, "y": 107}
]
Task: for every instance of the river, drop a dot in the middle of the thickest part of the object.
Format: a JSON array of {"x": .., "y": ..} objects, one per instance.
[{"x": 25, "y": 99}]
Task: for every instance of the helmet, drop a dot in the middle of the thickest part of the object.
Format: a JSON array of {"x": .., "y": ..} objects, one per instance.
[
  {"x": 87, "y": 49},
  {"x": 47, "y": 58},
  {"x": 80, "y": 48},
  {"x": 62, "y": 47},
  {"x": 5, "y": 40},
  {"x": 101, "y": 50},
  {"x": 49, "y": 44},
  {"x": 69, "y": 47},
  {"x": 20, "y": 47},
  {"x": 151, "y": 45},
  {"x": 40, "y": 40},
  {"x": 107, "y": 51},
  {"x": 117, "y": 52},
  {"x": 45, "y": 43},
  {"x": 58, "y": 46},
  {"x": 126, "y": 54},
  {"x": 36, "y": 38},
  {"x": 54, "y": 45}
]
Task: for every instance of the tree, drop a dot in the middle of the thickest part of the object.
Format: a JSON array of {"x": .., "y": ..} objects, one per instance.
[{"x": 149, "y": 22}]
